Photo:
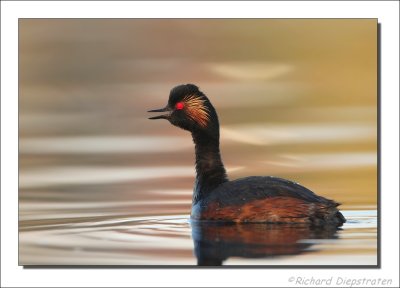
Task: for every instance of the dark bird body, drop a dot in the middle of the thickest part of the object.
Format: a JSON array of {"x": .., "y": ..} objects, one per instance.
[{"x": 252, "y": 199}]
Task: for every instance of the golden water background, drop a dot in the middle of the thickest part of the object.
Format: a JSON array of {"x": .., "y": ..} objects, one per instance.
[{"x": 296, "y": 99}]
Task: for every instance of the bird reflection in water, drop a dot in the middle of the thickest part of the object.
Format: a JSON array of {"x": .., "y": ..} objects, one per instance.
[{"x": 216, "y": 242}]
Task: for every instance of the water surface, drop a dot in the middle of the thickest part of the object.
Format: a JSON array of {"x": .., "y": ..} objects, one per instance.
[{"x": 175, "y": 240}]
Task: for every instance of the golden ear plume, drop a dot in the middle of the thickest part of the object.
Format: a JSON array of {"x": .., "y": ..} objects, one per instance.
[{"x": 196, "y": 109}]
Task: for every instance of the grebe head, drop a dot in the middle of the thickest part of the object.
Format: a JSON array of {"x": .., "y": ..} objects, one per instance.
[{"x": 189, "y": 109}]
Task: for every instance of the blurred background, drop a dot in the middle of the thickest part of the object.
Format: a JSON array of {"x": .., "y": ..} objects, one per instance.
[{"x": 296, "y": 99}]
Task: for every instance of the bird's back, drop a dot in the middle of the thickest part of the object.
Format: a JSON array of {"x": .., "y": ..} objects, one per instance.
[{"x": 267, "y": 199}]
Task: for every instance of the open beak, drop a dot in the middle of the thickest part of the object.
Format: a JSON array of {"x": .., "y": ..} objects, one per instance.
[{"x": 163, "y": 116}]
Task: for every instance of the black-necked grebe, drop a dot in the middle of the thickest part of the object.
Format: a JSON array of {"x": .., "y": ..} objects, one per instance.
[{"x": 252, "y": 199}]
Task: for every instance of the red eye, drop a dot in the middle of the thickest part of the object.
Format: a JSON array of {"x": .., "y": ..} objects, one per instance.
[{"x": 179, "y": 106}]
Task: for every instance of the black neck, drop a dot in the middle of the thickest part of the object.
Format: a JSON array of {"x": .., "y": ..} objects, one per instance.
[{"x": 210, "y": 171}]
